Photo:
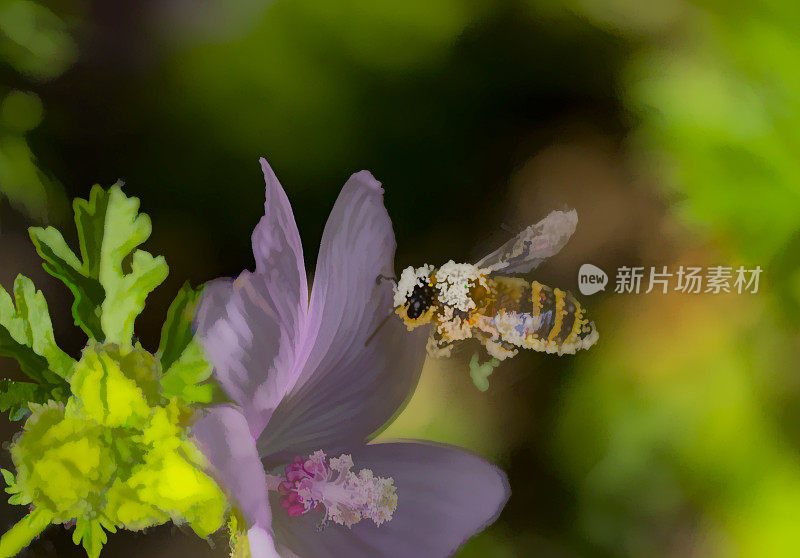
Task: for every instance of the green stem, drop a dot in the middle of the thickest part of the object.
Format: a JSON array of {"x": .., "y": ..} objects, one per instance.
[{"x": 23, "y": 533}]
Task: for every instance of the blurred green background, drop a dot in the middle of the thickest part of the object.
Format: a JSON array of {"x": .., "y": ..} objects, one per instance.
[{"x": 672, "y": 127}]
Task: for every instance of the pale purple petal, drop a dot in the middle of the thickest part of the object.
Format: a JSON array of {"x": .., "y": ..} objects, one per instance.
[
  {"x": 250, "y": 327},
  {"x": 261, "y": 544},
  {"x": 348, "y": 389},
  {"x": 223, "y": 436},
  {"x": 445, "y": 496},
  {"x": 279, "y": 253}
]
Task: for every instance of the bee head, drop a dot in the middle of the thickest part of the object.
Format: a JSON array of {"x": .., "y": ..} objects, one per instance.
[
  {"x": 420, "y": 299},
  {"x": 414, "y": 294}
]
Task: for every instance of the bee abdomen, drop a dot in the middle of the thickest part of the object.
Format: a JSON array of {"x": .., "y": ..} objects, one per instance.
[
  {"x": 555, "y": 324},
  {"x": 576, "y": 332}
]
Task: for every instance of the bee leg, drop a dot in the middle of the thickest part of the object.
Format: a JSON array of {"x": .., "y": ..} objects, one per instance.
[
  {"x": 480, "y": 372},
  {"x": 438, "y": 347},
  {"x": 496, "y": 348}
]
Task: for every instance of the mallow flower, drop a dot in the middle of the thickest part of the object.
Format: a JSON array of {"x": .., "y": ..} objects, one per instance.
[{"x": 311, "y": 382}]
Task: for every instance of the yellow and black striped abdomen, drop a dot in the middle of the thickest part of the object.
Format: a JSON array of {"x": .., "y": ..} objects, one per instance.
[{"x": 553, "y": 322}]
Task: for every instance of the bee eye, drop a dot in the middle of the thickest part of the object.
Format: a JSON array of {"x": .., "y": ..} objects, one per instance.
[
  {"x": 419, "y": 301},
  {"x": 415, "y": 308}
]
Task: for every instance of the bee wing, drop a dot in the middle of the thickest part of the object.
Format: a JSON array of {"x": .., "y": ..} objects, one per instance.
[{"x": 533, "y": 245}]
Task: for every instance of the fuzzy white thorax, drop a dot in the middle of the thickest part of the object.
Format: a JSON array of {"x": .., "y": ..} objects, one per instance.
[
  {"x": 410, "y": 278},
  {"x": 454, "y": 281}
]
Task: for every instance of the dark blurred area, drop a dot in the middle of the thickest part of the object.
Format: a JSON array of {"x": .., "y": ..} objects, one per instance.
[{"x": 669, "y": 126}]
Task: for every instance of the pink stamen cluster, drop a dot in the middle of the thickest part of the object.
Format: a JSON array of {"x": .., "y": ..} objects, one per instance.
[{"x": 346, "y": 496}]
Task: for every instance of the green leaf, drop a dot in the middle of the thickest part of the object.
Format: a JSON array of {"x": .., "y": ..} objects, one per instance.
[
  {"x": 126, "y": 295},
  {"x": 90, "y": 220},
  {"x": 8, "y": 476},
  {"x": 91, "y": 533},
  {"x": 112, "y": 279},
  {"x": 61, "y": 263},
  {"x": 187, "y": 377},
  {"x": 176, "y": 333},
  {"x": 113, "y": 387},
  {"x": 106, "y": 248},
  {"x": 31, "y": 364},
  {"x": 15, "y": 397},
  {"x": 26, "y": 334},
  {"x": 186, "y": 371},
  {"x": 18, "y": 496},
  {"x": 32, "y": 311}
]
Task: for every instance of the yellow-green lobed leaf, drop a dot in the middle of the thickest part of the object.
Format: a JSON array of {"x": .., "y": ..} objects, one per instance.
[
  {"x": 116, "y": 386},
  {"x": 176, "y": 333},
  {"x": 113, "y": 278},
  {"x": 118, "y": 454},
  {"x": 33, "y": 313},
  {"x": 186, "y": 371},
  {"x": 26, "y": 334}
]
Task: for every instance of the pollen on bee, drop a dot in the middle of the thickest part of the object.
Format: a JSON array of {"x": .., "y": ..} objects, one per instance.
[{"x": 411, "y": 277}]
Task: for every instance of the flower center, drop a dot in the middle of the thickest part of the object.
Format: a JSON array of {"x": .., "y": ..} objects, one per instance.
[{"x": 346, "y": 496}]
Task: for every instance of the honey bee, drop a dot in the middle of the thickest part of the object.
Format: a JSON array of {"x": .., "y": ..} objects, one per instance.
[{"x": 486, "y": 301}]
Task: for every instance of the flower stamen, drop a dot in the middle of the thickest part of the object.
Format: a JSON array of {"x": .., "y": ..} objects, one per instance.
[{"x": 346, "y": 496}]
